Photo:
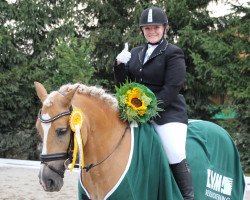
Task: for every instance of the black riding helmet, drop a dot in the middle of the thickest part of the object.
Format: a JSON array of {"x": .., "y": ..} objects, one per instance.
[{"x": 153, "y": 16}]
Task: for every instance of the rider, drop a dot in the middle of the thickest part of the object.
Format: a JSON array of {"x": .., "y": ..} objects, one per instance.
[{"x": 161, "y": 67}]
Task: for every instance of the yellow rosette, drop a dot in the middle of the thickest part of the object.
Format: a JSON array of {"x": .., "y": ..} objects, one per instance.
[{"x": 76, "y": 121}]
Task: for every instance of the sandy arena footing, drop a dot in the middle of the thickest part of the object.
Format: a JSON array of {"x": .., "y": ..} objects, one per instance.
[{"x": 19, "y": 181}]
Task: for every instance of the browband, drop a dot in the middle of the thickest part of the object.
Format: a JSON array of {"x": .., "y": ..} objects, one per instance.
[{"x": 55, "y": 117}]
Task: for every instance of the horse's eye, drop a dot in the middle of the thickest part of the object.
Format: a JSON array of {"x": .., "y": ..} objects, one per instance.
[{"x": 61, "y": 131}]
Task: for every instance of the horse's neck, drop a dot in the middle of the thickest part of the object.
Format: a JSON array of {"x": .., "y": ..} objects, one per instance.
[
  {"x": 104, "y": 128},
  {"x": 105, "y": 131},
  {"x": 99, "y": 180},
  {"x": 101, "y": 139}
]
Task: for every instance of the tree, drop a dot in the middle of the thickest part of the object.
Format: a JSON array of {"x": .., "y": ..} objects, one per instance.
[
  {"x": 218, "y": 59},
  {"x": 73, "y": 61},
  {"x": 237, "y": 36},
  {"x": 37, "y": 39}
]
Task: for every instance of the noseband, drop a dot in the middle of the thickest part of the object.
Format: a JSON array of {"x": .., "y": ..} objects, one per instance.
[{"x": 67, "y": 156}]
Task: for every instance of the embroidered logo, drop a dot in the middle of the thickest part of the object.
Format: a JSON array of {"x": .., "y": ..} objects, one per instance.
[{"x": 218, "y": 186}]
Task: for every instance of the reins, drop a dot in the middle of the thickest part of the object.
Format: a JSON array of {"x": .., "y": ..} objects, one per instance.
[{"x": 88, "y": 167}]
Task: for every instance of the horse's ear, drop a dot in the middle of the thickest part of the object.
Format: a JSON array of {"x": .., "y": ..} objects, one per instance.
[
  {"x": 68, "y": 96},
  {"x": 41, "y": 91}
]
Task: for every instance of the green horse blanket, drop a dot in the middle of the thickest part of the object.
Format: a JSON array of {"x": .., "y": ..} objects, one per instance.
[
  {"x": 147, "y": 175},
  {"x": 212, "y": 156},
  {"x": 214, "y": 161}
]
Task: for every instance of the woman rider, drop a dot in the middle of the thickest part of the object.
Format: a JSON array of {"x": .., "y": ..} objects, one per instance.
[{"x": 161, "y": 67}]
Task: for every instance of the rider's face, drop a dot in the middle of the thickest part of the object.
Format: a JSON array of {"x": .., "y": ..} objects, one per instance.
[{"x": 153, "y": 33}]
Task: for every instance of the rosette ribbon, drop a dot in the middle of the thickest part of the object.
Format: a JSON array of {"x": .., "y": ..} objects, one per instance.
[{"x": 76, "y": 121}]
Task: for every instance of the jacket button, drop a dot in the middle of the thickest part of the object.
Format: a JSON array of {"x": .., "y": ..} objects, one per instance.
[{"x": 140, "y": 69}]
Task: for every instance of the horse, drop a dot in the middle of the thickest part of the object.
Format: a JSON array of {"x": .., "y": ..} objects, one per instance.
[{"x": 127, "y": 161}]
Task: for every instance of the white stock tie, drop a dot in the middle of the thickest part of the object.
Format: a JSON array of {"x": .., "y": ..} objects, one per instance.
[
  {"x": 149, "y": 51},
  {"x": 146, "y": 56}
]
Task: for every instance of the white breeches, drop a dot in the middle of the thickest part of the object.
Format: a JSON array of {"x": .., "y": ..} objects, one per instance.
[{"x": 173, "y": 137}]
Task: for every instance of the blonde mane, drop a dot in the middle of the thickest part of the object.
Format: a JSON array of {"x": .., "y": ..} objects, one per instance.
[{"x": 94, "y": 91}]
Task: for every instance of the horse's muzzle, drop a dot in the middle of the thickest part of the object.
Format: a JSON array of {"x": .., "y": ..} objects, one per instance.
[{"x": 50, "y": 180}]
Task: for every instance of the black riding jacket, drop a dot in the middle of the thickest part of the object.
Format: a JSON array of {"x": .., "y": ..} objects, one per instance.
[{"x": 164, "y": 73}]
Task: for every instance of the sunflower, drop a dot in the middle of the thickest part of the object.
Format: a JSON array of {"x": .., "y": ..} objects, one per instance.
[{"x": 136, "y": 102}]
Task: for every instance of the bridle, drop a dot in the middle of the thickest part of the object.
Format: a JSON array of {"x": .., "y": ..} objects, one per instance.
[{"x": 67, "y": 156}]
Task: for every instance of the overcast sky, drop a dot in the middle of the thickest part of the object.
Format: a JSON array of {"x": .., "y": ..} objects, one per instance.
[{"x": 220, "y": 8}]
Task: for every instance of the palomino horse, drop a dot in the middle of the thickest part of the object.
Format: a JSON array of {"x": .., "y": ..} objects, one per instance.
[{"x": 125, "y": 161}]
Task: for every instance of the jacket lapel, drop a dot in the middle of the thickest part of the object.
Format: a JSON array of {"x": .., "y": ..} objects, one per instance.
[
  {"x": 158, "y": 50},
  {"x": 161, "y": 48},
  {"x": 141, "y": 53}
]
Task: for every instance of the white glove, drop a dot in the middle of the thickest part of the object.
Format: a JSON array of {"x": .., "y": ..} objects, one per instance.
[{"x": 124, "y": 56}]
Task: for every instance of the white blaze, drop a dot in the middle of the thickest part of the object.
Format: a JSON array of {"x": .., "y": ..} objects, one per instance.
[{"x": 46, "y": 127}]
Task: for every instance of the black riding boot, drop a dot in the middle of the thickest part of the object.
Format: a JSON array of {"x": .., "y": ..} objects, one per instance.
[{"x": 183, "y": 179}]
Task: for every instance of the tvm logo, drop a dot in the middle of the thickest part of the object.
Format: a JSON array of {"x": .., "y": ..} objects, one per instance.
[{"x": 218, "y": 183}]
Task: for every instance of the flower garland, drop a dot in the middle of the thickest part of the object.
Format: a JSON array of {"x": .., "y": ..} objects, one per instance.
[{"x": 137, "y": 103}]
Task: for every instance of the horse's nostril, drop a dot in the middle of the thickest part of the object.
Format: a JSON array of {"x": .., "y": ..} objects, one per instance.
[{"x": 50, "y": 183}]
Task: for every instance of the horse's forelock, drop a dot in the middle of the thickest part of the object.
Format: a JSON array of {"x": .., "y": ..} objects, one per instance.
[{"x": 49, "y": 100}]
